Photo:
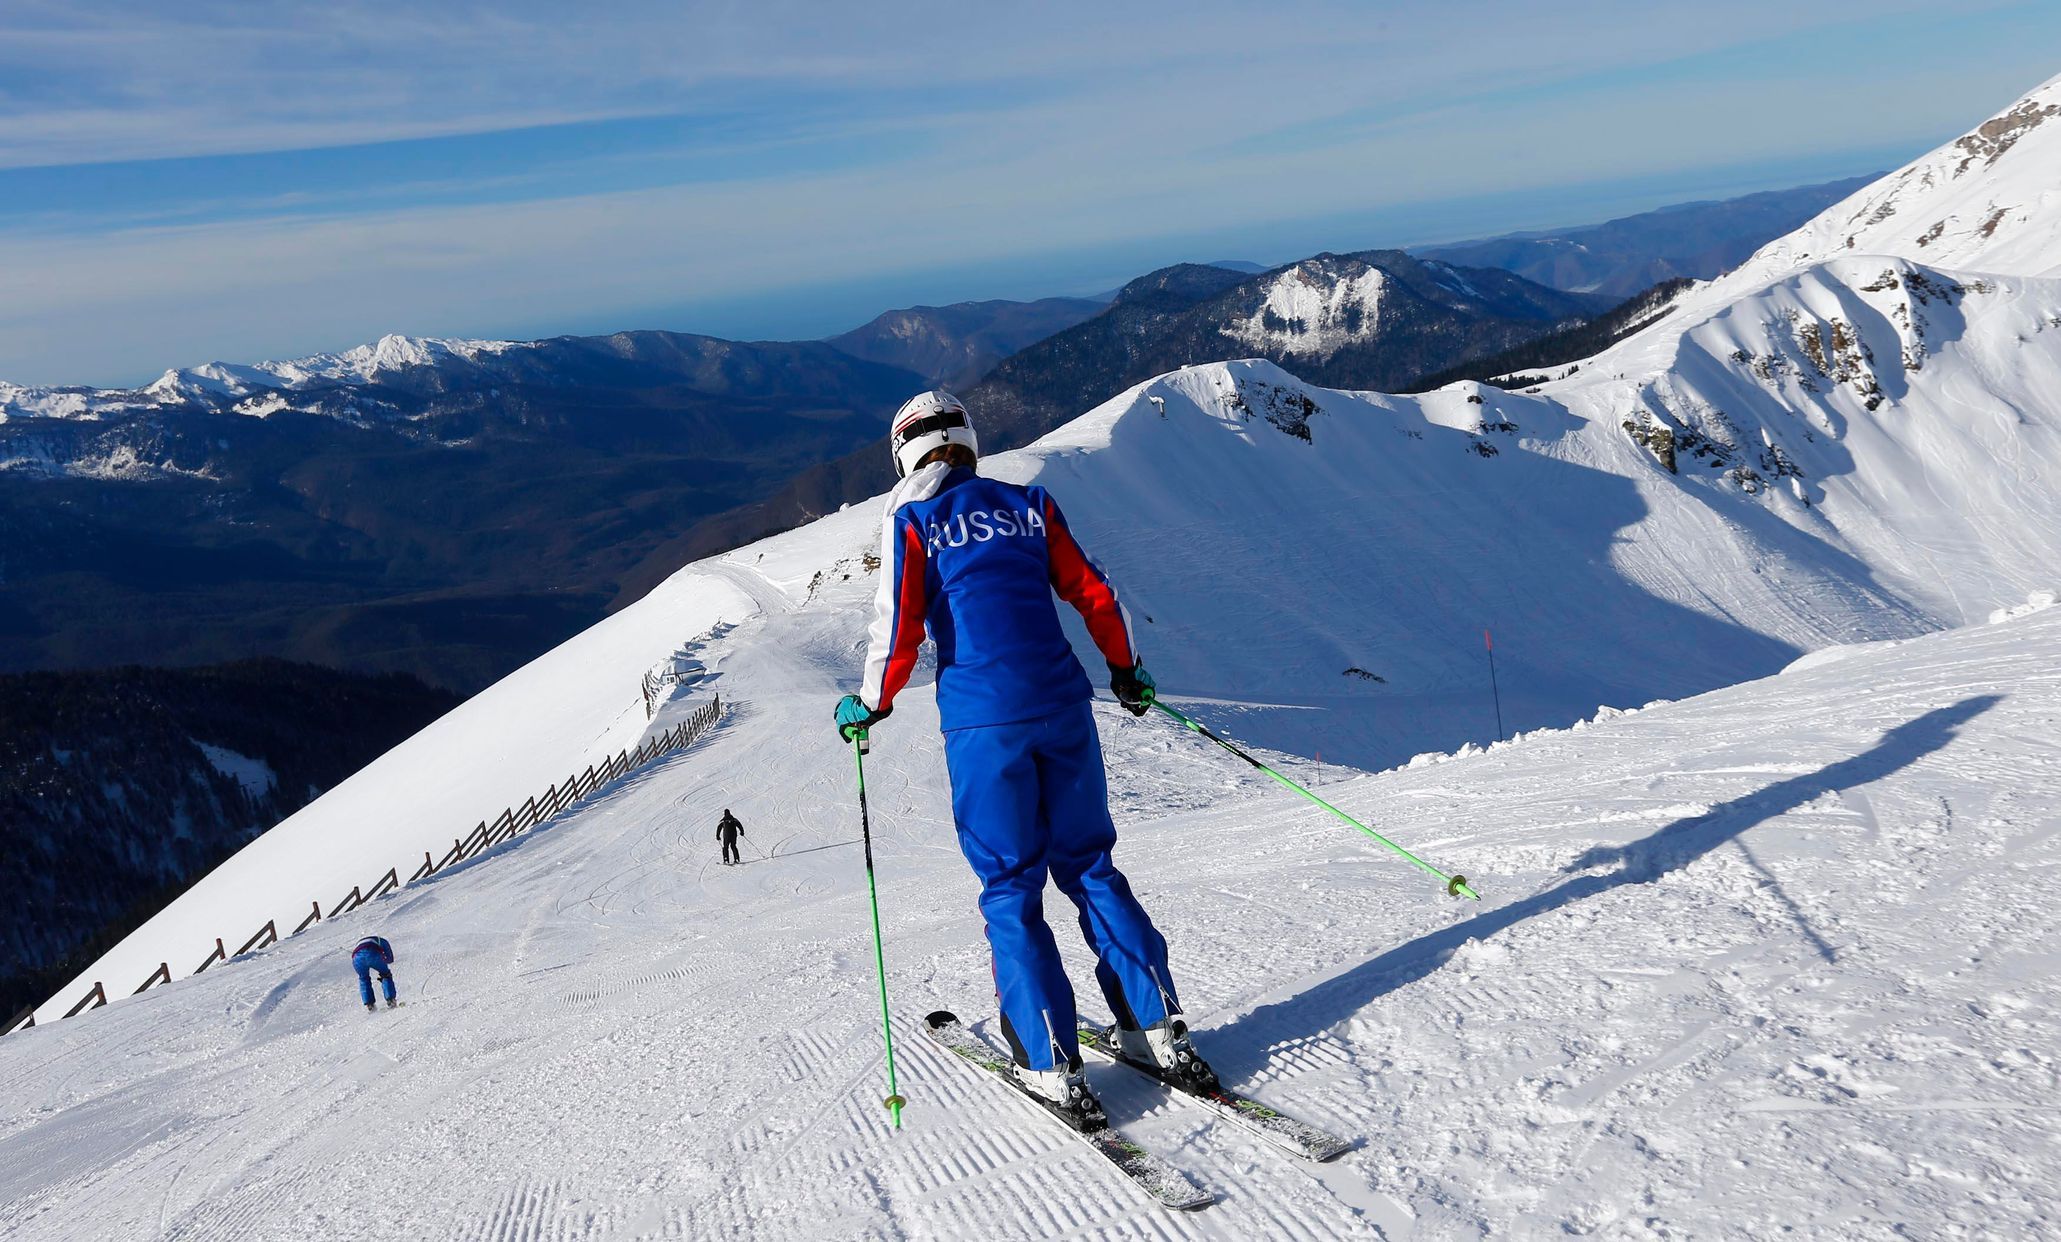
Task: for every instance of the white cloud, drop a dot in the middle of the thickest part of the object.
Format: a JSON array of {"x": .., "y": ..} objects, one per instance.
[
  {"x": 141, "y": 79},
  {"x": 1091, "y": 126}
]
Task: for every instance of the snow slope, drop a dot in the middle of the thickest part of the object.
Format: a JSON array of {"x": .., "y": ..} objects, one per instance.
[
  {"x": 1989, "y": 201},
  {"x": 1781, "y": 957},
  {"x": 1812, "y": 452},
  {"x": 1862, "y": 449},
  {"x": 1337, "y": 559}
]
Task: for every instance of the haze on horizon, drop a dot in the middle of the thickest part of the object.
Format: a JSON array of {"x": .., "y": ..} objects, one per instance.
[{"x": 226, "y": 182}]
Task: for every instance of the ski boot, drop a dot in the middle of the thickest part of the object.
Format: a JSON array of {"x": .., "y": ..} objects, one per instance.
[
  {"x": 391, "y": 1003},
  {"x": 1065, "y": 1090},
  {"x": 1166, "y": 1047},
  {"x": 371, "y": 1008}
]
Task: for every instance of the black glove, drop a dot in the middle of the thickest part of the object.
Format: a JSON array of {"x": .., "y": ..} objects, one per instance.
[{"x": 1133, "y": 687}]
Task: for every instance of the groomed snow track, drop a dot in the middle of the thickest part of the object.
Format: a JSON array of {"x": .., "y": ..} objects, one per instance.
[{"x": 1777, "y": 956}]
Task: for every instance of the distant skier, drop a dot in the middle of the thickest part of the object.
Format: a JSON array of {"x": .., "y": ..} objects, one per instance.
[
  {"x": 372, "y": 956},
  {"x": 978, "y": 560},
  {"x": 728, "y": 829}
]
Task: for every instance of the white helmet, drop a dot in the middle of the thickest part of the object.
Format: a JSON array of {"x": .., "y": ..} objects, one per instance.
[{"x": 925, "y": 422}]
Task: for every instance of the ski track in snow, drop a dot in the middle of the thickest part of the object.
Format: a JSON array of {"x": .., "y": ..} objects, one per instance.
[{"x": 1782, "y": 956}]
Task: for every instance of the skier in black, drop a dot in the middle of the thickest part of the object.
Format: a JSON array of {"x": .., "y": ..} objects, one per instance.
[{"x": 728, "y": 829}]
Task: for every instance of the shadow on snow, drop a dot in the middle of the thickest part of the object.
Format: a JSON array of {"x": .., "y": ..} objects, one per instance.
[{"x": 1641, "y": 862}]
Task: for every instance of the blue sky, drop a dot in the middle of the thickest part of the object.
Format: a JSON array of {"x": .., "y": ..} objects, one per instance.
[{"x": 208, "y": 180}]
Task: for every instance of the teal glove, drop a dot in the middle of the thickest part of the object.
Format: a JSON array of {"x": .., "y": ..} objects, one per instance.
[
  {"x": 854, "y": 717},
  {"x": 1133, "y": 687}
]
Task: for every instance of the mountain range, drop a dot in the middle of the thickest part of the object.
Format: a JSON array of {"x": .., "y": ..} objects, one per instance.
[
  {"x": 953, "y": 346},
  {"x": 1838, "y": 442},
  {"x": 447, "y": 508},
  {"x": 1369, "y": 320},
  {"x": 1696, "y": 241},
  {"x": 450, "y": 508},
  {"x": 438, "y": 508}
]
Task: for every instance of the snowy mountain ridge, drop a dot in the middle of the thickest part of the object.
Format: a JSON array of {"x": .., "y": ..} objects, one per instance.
[
  {"x": 212, "y": 381},
  {"x": 1987, "y": 202}
]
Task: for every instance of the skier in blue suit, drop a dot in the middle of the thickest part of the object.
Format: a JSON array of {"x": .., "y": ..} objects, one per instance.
[
  {"x": 373, "y": 955},
  {"x": 978, "y": 561}
]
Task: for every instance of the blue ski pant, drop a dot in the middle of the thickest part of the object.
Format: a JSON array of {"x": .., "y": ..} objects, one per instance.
[
  {"x": 1031, "y": 799},
  {"x": 367, "y": 964}
]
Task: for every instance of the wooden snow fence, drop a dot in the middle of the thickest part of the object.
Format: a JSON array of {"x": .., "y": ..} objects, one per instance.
[{"x": 485, "y": 836}]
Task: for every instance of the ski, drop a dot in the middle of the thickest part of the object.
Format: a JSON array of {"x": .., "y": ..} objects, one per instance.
[
  {"x": 1295, "y": 1137},
  {"x": 1168, "y": 1185}
]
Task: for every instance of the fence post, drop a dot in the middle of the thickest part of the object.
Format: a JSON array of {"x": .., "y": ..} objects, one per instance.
[
  {"x": 163, "y": 974},
  {"x": 387, "y": 884},
  {"x": 429, "y": 867},
  {"x": 457, "y": 852},
  {"x": 20, "y": 1022},
  {"x": 91, "y": 1000},
  {"x": 349, "y": 902},
  {"x": 219, "y": 955},
  {"x": 268, "y": 935},
  {"x": 314, "y": 917}
]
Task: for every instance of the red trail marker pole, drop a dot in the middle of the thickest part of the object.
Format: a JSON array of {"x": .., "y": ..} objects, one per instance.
[{"x": 1490, "y": 644}]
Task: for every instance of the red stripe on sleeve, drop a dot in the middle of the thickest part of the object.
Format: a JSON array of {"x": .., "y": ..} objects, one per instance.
[
  {"x": 909, "y": 607},
  {"x": 1079, "y": 583}
]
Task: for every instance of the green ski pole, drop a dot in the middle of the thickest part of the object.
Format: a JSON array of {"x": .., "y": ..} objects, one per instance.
[
  {"x": 894, "y": 1100},
  {"x": 1456, "y": 885}
]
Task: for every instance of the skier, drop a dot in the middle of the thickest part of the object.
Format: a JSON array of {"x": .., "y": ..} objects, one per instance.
[
  {"x": 978, "y": 560},
  {"x": 728, "y": 829},
  {"x": 373, "y": 955}
]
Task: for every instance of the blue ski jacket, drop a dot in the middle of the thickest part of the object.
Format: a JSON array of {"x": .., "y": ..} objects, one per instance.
[{"x": 977, "y": 561}]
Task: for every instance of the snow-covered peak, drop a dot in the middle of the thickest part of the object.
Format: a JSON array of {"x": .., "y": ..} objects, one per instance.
[
  {"x": 1989, "y": 201},
  {"x": 1986, "y": 205},
  {"x": 222, "y": 379},
  {"x": 363, "y": 363},
  {"x": 222, "y": 382},
  {"x": 1313, "y": 309},
  {"x": 21, "y": 401},
  {"x": 390, "y": 353}
]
